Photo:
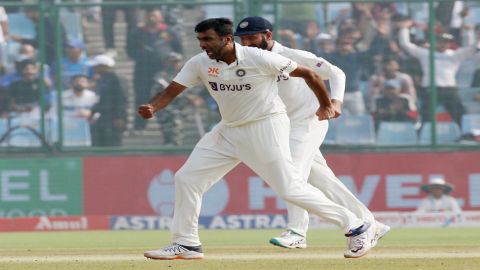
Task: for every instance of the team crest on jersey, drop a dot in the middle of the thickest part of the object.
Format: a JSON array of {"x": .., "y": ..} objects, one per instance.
[
  {"x": 240, "y": 72},
  {"x": 319, "y": 64},
  {"x": 243, "y": 24},
  {"x": 213, "y": 71}
]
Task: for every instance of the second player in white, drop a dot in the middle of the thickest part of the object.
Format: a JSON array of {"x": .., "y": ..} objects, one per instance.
[{"x": 306, "y": 136}]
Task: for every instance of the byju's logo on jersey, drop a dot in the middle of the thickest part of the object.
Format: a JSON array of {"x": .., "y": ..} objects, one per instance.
[
  {"x": 229, "y": 87},
  {"x": 213, "y": 71}
]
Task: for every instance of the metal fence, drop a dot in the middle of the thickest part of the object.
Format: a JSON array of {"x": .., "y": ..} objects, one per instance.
[{"x": 91, "y": 67}]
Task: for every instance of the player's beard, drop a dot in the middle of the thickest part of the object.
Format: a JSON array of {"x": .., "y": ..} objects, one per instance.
[
  {"x": 218, "y": 54},
  {"x": 263, "y": 44}
]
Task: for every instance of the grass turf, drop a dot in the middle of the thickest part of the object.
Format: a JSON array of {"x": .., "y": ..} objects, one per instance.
[{"x": 447, "y": 248}]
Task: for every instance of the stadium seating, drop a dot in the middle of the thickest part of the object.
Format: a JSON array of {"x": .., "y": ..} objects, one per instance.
[
  {"x": 73, "y": 25},
  {"x": 20, "y": 25},
  {"x": 447, "y": 132},
  {"x": 396, "y": 133},
  {"x": 76, "y": 132},
  {"x": 3, "y": 129},
  {"x": 355, "y": 129},
  {"x": 23, "y": 137},
  {"x": 470, "y": 122},
  {"x": 467, "y": 95}
]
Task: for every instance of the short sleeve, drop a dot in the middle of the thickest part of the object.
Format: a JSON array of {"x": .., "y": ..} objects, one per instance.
[
  {"x": 275, "y": 63},
  {"x": 189, "y": 74}
]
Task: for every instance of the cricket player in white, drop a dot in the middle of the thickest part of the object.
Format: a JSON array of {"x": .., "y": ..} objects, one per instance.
[
  {"x": 254, "y": 129},
  {"x": 307, "y": 133}
]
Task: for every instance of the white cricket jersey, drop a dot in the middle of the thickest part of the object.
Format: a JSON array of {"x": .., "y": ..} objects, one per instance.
[
  {"x": 447, "y": 63},
  {"x": 246, "y": 90},
  {"x": 300, "y": 100}
]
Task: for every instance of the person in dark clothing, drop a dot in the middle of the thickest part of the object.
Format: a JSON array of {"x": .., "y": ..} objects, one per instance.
[
  {"x": 50, "y": 51},
  {"x": 476, "y": 79},
  {"x": 109, "y": 114},
  {"x": 391, "y": 105},
  {"x": 108, "y": 20},
  {"x": 4, "y": 103},
  {"x": 24, "y": 94},
  {"x": 149, "y": 46},
  {"x": 352, "y": 63}
]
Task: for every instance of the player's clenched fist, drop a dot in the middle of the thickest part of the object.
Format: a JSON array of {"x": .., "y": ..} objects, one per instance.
[
  {"x": 146, "y": 111},
  {"x": 326, "y": 112}
]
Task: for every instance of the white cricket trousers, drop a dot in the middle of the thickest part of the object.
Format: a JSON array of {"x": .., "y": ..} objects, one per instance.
[
  {"x": 264, "y": 147},
  {"x": 305, "y": 140}
]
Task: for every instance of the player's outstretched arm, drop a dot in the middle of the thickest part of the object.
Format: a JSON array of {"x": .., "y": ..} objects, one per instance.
[
  {"x": 315, "y": 83},
  {"x": 160, "y": 100}
]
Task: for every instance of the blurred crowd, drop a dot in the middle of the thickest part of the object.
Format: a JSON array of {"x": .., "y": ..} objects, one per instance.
[
  {"x": 383, "y": 50},
  {"x": 385, "y": 56}
]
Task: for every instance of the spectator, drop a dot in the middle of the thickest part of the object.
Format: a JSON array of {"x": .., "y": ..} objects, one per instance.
[
  {"x": 4, "y": 103},
  {"x": 25, "y": 93},
  {"x": 447, "y": 63},
  {"x": 78, "y": 100},
  {"x": 73, "y": 63},
  {"x": 352, "y": 63},
  {"x": 109, "y": 15},
  {"x": 309, "y": 35},
  {"x": 324, "y": 44},
  {"x": 391, "y": 105},
  {"x": 26, "y": 52},
  {"x": 11, "y": 77},
  {"x": 476, "y": 74},
  {"x": 109, "y": 114},
  {"x": 289, "y": 38},
  {"x": 476, "y": 78},
  {"x": 149, "y": 46},
  {"x": 50, "y": 47},
  {"x": 390, "y": 72},
  {"x": 438, "y": 199},
  {"x": 3, "y": 39},
  {"x": 172, "y": 118}
]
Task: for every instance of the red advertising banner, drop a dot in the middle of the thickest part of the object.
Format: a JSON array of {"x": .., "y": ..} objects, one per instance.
[{"x": 143, "y": 185}]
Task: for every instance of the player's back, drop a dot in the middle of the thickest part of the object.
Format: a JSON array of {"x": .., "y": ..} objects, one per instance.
[{"x": 299, "y": 99}]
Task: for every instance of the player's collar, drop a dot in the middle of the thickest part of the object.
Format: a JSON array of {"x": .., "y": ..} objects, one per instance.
[
  {"x": 239, "y": 52},
  {"x": 277, "y": 47}
]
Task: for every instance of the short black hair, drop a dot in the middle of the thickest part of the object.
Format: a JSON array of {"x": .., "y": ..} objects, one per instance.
[
  {"x": 76, "y": 76},
  {"x": 20, "y": 66},
  {"x": 388, "y": 58},
  {"x": 222, "y": 26}
]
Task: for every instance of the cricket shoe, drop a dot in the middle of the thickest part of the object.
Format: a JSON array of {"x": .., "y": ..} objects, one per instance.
[
  {"x": 360, "y": 240},
  {"x": 175, "y": 252},
  {"x": 289, "y": 239},
  {"x": 381, "y": 231}
]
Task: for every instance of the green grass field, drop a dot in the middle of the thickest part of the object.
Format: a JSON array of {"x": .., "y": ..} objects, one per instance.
[{"x": 429, "y": 249}]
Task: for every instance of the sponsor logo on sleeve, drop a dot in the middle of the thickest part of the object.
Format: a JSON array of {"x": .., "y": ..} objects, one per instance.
[{"x": 286, "y": 67}]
